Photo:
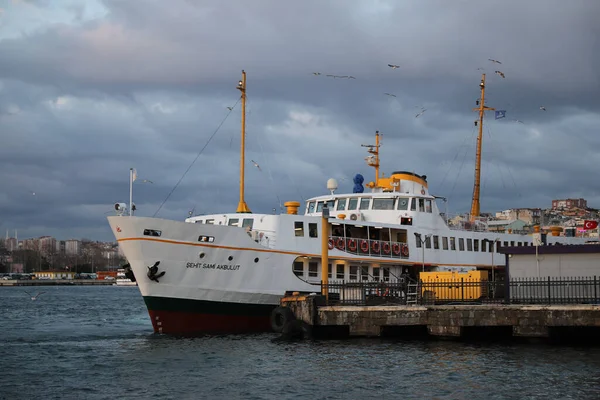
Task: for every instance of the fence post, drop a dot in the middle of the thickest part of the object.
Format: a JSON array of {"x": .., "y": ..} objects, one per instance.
[
  {"x": 595, "y": 290},
  {"x": 549, "y": 295},
  {"x": 462, "y": 287}
]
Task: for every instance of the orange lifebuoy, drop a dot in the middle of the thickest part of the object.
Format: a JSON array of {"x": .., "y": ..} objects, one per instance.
[
  {"x": 352, "y": 244},
  {"x": 364, "y": 246},
  {"x": 331, "y": 244},
  {"x": 375, "y": 246},
  {"x": 405, "y": 250},
  {"x": 386, "y": 247},
  {"x": 340, "y": 244},
  {"x": 383, "y": 291},
  {"x": 396, "y": 248}
]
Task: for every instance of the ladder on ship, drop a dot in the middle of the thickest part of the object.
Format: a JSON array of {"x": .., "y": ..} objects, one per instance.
[{"x": 412, "y": 294}]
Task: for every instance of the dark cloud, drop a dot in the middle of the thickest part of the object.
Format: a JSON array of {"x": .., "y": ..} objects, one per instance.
[{"x": 146, "y": 86}]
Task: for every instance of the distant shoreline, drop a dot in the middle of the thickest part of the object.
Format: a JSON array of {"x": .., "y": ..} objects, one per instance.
[{"x": 56, "y": 282}]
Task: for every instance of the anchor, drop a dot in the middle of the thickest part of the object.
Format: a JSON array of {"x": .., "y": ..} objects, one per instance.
[{"x": 153, "y": 273}]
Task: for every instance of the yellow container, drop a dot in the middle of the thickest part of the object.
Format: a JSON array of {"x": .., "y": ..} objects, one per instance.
[{"x": 452, "y": 285}]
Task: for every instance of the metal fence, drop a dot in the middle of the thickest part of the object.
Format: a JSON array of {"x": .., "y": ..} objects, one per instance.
[{"x": 580, "y": 290}]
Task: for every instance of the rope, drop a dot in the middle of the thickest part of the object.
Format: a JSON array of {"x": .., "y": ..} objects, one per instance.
[{"x": 197, "y": 156}]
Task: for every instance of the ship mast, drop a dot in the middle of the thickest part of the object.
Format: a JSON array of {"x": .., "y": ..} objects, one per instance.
[
  {"x": 373, "y": 161},
  {"x": 475, "y": 206},
  {"x": 242, "y": 206}
]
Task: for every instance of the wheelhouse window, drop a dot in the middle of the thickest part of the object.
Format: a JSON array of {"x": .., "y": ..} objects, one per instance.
[
  {"x": 312, "y": 230},
  {"x": 428, "y": 205},
  {"x": 320, "y": 206},
  {"x": 402, "y": 204},
  {"x": 421, "y": 205},
  {"x": 413, "y": 204},
  {"x": 352, "y": 203},
  {"x": 364, "y": 203},
  {"x": 248, "y": 223},
  {"x": 341, "y": 205},
  {"x": 330, "y": 204},
  {"x": 299, "y": 228},
  {"x": 383, "y": 204},
  {"x": 311, "y": 207},
  {"x": 152, "y": 232},
  {"x": 233, "y": 222}
]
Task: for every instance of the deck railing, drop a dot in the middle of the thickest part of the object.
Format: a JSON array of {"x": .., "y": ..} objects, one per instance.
[
  {"x": 580, "y": 290},
  {"x": 366, "y": 247}
]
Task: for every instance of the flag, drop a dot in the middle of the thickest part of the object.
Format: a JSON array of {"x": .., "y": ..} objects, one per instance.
[
  {"x": 134, "y": 174},
  {"x": 590, "y": 224},
  {"x": 500, "y": 114}
]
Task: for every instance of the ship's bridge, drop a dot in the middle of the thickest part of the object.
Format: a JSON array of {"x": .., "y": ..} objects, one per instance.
[{"x": 400, "y": 199}]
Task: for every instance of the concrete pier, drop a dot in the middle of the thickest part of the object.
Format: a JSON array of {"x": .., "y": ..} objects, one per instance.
[
  {"x": 55, "y": 282},
  {"x": 531, "y": 321}
]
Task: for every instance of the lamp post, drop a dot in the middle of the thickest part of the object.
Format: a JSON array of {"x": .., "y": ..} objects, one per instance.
[
  {"x": 422, "y": 241},
  {"x": 325, "y": 252}
]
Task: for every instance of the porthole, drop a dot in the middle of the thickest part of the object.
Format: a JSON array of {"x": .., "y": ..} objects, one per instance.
[
  {"x": 230, "y": 258},
  {"x": 202, "y": 255},
  {"x": 256, "y": 260}
]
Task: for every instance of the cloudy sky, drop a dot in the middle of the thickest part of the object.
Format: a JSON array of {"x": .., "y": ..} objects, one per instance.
[{"x": 91, "y": 88}]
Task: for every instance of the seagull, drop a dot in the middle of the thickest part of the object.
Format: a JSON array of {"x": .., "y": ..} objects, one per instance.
[
  {"x": 393, "y": 66},
  {"x": 351, "y": 77},
  {"x": 516, "y": 120},
  {"x": 33, "y": 298},
  {"x": 420, "y": 113},
  {"x": 500, "y": 73},
  {"x": 542, "y": 108},
  {"x": 390, "y": 94},
  {"x": 480, "y": 69},
  {"x": 230, "y": 108},
  {"x": 256, "y": 165},
  {"x": 316, "y": 73},
  {"x": 494, "y": 61},
  {"x": 146, "y": 181}
]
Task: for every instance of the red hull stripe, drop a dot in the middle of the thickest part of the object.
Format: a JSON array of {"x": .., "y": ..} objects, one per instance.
[{"x": 197, "y": 317}]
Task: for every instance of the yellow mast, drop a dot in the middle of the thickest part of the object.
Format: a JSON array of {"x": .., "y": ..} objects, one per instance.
[
  {"x": 475, "y": 206},
  {"x": 375, "y": 151},
  {"x": 242, "y": 206}
]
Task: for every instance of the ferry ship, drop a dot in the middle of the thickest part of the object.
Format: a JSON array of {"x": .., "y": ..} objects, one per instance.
[{"x": 226, "y": 272}]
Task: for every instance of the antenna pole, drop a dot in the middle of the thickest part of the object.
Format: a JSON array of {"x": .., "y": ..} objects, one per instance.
[
  {"x": 374, "y": 149},
  {"x": 242, "y": 206},
  {"x": 475, "y": 205},
  {"x": 130, "y": 192}
]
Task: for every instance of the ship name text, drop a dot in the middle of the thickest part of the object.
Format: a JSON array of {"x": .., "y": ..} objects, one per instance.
[{"x": 226, "y": 267}]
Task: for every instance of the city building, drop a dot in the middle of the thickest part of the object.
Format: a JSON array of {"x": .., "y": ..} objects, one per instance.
[
  {"x": 507, "y": 226},
  {"x": 47, "y": 245},
  {"x": 531, "y": 216},
  {"x": 569, "y": 203},
  {"x": 73, "y": 247}
]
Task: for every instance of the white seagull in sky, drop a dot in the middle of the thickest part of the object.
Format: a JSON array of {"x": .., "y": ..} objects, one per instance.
[
  {"x": 542, "y": 108},
  {"x": 420, "y": 113},
  {"x": 256, "y": 165},
  {"x": 393, "y": 66},
  {"x": 494, "y": 61},
  {"x": 390, "y": 94},
  {"x": 32, "y": 296},
  {"x": 500, "y": 73}
]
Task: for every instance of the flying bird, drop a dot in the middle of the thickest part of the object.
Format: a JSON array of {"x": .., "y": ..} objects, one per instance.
[
  {"x": 316, "y": 73},
  {"x": 146, "y": 181},
  {"x": 390, "y": 94},
  {"x": 351, "y": 77},
  {"x": 479, "y": 69},
  {"x": 393, "y": 66},
  {"x": 34, "y": 297},
  {"x": 542, "y": 108},
  {"x": 256, "y": 165},
  {"x": 519, "y": 121},
  {"x": 230, "y": 108},
  {"x": 500, "y": 73},
  {"x": 420, "y": 113},
  {"x": 494, "y": 61}
]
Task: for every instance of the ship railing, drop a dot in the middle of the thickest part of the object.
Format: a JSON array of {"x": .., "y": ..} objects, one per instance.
[
  {"x": 542, "y": 291},
  {"x": 370, "y": 247}
]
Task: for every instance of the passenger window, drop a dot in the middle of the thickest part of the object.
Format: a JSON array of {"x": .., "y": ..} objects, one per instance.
[
  {"x": 299, "y": 268},
  {"x": 341, "y": 205},
  {"x": 311, "y": 207},
  {"x": 152, "y": 232},
  {"x": 413, "y": 204},
  {"x": 299, "y": 228},
  {"x": 444, "y": 243},
  {"x": 422, "y": 205},
  {"x": 461, "y": 244},
  {"x": 428, "y": 205},
  {"x": 339, "y": 271},
  {"x": 436, "y": 243},
  {"x": 233, "y": 222},
  {"x": 312, "y": 230},
  {"x": 352, "y": 203},
  {"x": 475, "y": 244},
  {"x": 248, "y": 223},
  {"x": 353, "y": 273},
  {"x": 383, "y": 204},
  {"x": 469, "y": 245},
  {"x": 402, "y": 204},
  {"x": 364, "y": 203},
  {"x": 418, "y": 240},
  {"x": 210, "y": 221},
  {"x": 364, "y": 273},
  {"x": 428, "y": 242},
  {"x": 452, "y": 243},
  {"x": 376, "y": 273},
  {"x": 313, "y": 269},
  {"x": 199, "y": 221}
]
